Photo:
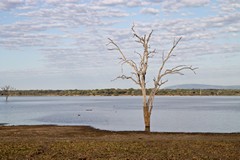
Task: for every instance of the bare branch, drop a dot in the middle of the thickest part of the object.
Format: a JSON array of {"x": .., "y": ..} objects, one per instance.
[
  {"x": 178, "y": 69},
  {"x": 126, "y": 77},
  {"x": 140, "y": 56},
  {"x": 152, "y": 53},
  {"x": 149, "y": 36},
  {"x": 165, "y": 59},
  {"x": 123, "y": 58},
  {"x": 133, "y": 28},
  {"x": 157, "y": 84},
  {"x": 7, "y": 88},
  {"x": 162, "y": 82},
  {"x": 139, "y": 39}
]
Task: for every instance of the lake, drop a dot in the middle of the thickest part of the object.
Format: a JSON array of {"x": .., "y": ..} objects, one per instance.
[{"x": 170, "y": 114}]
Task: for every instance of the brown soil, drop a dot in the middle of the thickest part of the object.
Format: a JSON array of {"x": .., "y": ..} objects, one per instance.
[{"x": 82, "y": 142}]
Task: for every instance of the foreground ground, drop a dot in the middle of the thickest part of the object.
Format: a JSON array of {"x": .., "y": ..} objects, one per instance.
[{"x": 67, "y": 142}]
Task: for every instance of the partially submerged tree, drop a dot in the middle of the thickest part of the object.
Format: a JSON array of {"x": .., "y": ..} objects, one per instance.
[
  {"x": 139, "y": 71},
  {"x": 6, "y": 91}
]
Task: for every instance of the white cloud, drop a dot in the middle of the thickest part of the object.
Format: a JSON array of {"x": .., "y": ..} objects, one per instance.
[
  {"x": 228, "y": 6},
  {"x": 194, "y": 3},
  {"x": 132, "y": 3},
  {"x": 136, "y": 3},
  {"x": 112, "y": 2},
  {"x": 174, "y": 5},
  {"x": 149, "y": 11},
  {"x": 10, "y": 4},
  {"x": 61, "y": 1}
]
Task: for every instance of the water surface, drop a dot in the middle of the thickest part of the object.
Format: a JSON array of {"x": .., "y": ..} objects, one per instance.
[{"x": 170, "y": 113}]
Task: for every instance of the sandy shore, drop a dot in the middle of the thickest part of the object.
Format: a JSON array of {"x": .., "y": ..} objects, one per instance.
[{"x": 82, "y": 142}]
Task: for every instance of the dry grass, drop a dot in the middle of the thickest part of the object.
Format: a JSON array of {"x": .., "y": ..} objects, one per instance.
[{"x": 75, "y": 142}]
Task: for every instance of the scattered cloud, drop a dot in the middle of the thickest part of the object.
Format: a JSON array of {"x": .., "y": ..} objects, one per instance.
[
  {"x": 194, "y": 3},
  {"x": 72, "y": 34},
  {"x": 132, "y": 3},
  {"x": 229, "y": 5},
  {"x": 10, "y": 4},
  {"x": 137, "y": 3},
  {"x": 61, "y": 1},
  {"x": 175, "y": 5},
  {"x": 149, "y": 11},
  {"x": 112, "y": 2}
]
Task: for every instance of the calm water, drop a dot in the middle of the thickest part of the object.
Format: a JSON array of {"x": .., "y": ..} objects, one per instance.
[{"x": 170, "y": 114}]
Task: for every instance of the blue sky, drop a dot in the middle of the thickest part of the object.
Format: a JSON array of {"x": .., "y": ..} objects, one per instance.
[{"x": 61, "y": 44}]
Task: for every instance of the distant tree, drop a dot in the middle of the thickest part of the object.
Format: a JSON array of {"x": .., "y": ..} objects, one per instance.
[
  {"x": 139, "y": 71},
  {"x": 6, "y": 91}
]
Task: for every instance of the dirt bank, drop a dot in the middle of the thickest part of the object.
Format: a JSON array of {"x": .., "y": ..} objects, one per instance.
[{"x": 81, "y": 142}]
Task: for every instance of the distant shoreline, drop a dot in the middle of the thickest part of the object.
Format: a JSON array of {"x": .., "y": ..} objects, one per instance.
[
  {"x": 126, "y": 92},
  {"x": 3, "y": 124}
]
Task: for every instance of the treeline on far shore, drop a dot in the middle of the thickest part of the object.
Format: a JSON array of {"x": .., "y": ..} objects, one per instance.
[{"x": 125, "y": 92}]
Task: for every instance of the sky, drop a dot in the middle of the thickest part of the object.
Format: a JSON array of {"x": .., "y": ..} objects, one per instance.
[{"x": 62, "y": 44}]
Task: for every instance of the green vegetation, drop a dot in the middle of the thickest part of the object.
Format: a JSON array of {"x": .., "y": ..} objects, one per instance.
[{"x": 125, "y": 92}]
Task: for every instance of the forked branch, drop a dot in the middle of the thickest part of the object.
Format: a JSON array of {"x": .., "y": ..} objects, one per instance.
[
  {"x": 123, "y": 58},
  {"x": 158, "y": 82},
  {"x": 127, "y": 77}
]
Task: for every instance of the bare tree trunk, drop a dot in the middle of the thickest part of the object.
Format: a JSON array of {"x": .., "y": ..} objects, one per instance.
[
  {"x": 146, "y": 112},
  {"x": 6, "y": 91},
  {"x": 147, "y": 116}
]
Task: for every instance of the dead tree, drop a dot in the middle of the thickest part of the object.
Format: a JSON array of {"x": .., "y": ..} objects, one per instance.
[
  {"x": 139, "y": 71},
  {"x": 6, "y": 91}
]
